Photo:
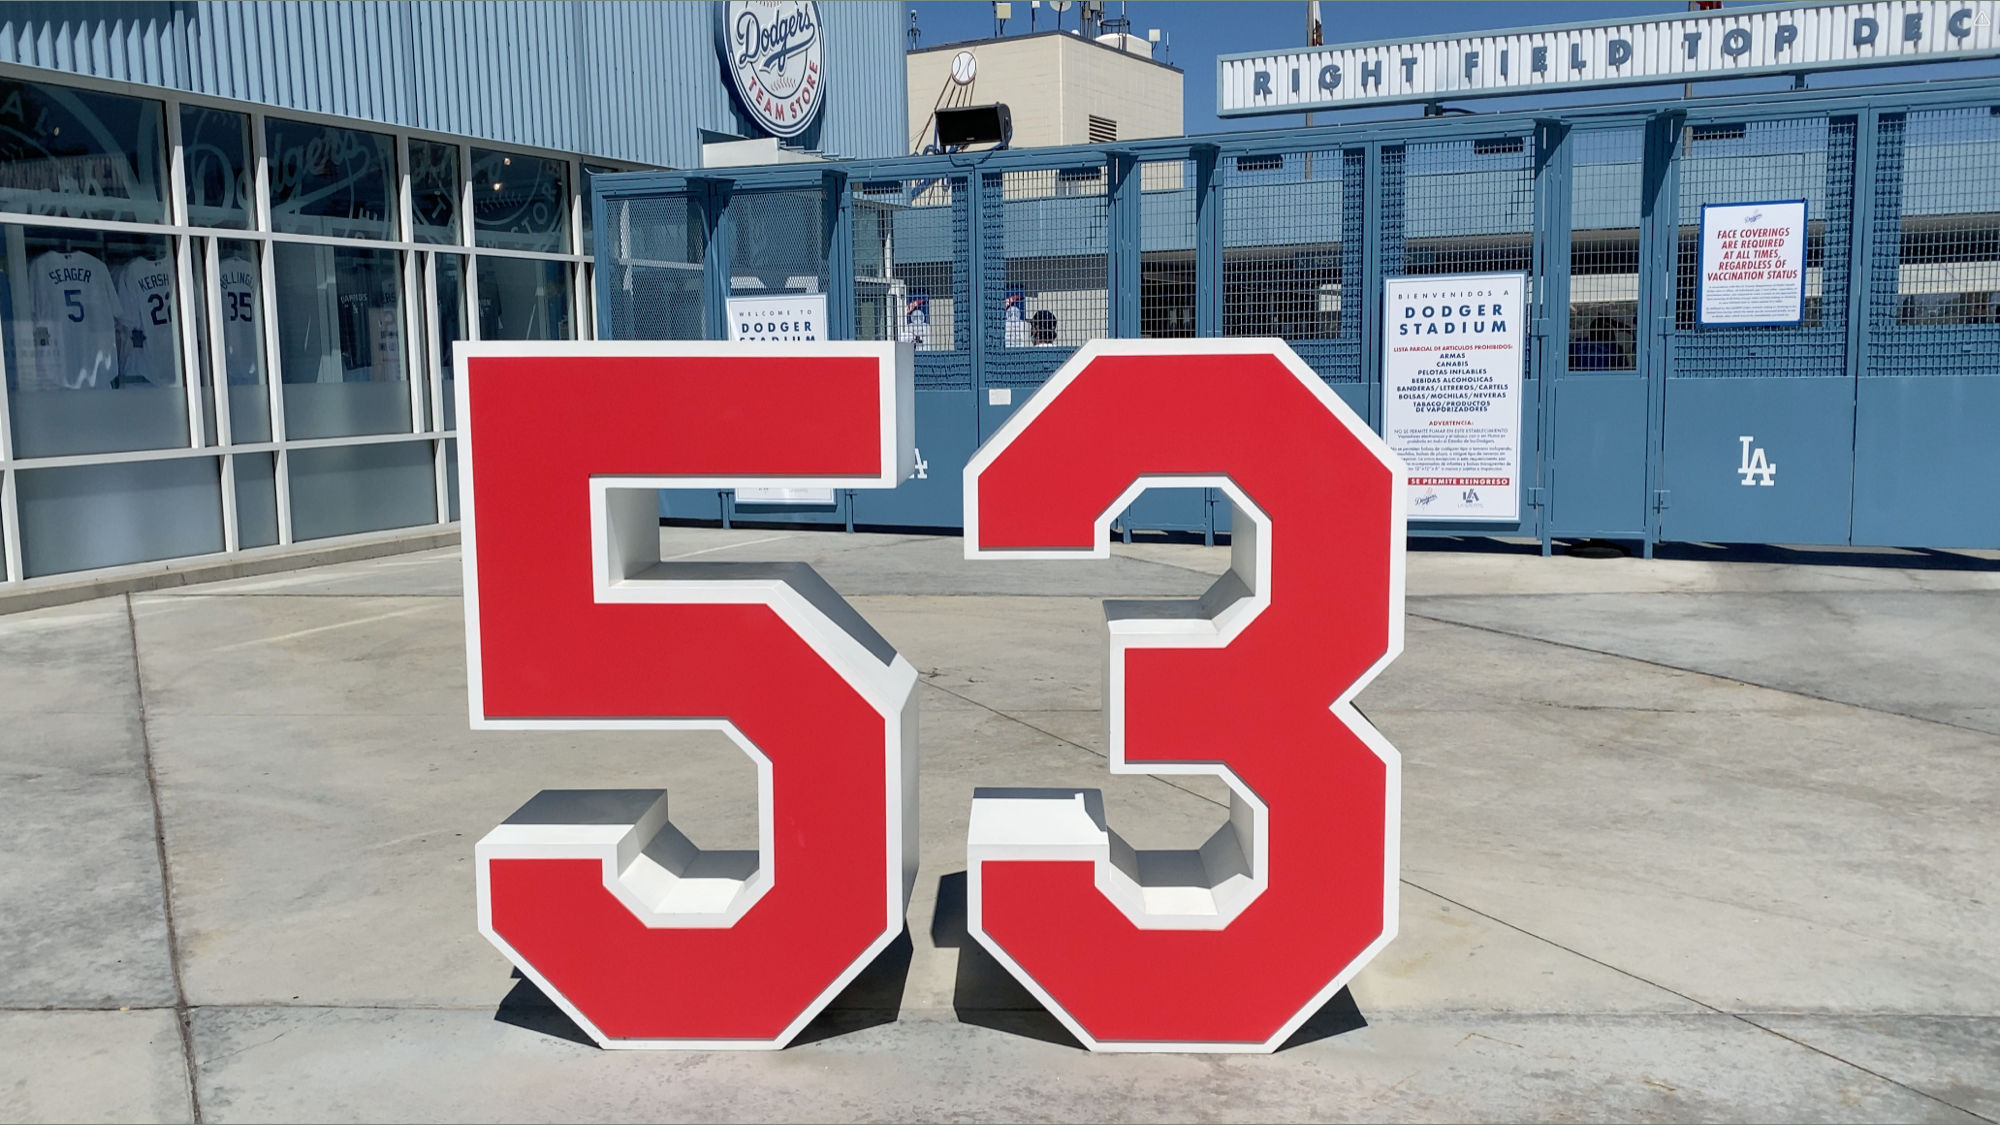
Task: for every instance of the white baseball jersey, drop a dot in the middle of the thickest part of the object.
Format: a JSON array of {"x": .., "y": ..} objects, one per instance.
[
  {"x": 146, "y": 306},
  {"x": 238, "y": 287},
  {"x": 75, "y": 310}
]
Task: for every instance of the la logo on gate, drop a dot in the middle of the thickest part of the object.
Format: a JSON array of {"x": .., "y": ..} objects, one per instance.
[
  {"x": 1756, "y": 468},
  {"x": 573, "y": 622}
]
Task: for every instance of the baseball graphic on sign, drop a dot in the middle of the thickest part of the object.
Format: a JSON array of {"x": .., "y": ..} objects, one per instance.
[{"x": 964, "y": 68}]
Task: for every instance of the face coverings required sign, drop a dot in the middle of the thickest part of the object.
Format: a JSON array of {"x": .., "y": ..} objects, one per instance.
[
  {"x": 1753, "y": 263},
  {"x": 1451, "y": 392}
]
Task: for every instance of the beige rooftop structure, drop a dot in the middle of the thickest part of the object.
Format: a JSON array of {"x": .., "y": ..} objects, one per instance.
[{"x": 1062, "y": 88}]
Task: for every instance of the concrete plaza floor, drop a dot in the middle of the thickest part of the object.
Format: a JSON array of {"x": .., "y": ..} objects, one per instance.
[{"x": 1682, "y": 840}]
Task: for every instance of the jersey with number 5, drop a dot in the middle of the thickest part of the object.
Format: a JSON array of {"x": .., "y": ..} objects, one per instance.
[
  {"x": 75, "y": 309},
  {"x": 146, "y": 306}
]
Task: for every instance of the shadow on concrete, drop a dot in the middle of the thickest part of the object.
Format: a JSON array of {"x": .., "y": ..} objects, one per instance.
[
  {"x": 987, "y": 995},
  {"x": 528, "y": 1008},
  {"x": 870, "y": 1000},
  {"x": 1899, "y": 558},
  {"x": 1337, "y": 1016}
]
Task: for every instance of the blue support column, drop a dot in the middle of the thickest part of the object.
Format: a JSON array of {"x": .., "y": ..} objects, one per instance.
[
  {"x": 716, "y": 258},
  {"x": 1208, "y": 177},
  {"x": 1554, "y": 161},
  {"x": 1861, "y": 245},
  {"x": 1208, "y": 182},
  {"x": 1378, "y": 261},
  {"x": 600, "y": 251},
  {"x": 975, "y": 278},
  {"x": 1659, "y": 255},
  {"x": 839, "y": 209},
  {"x": 1123, "y": 272}
]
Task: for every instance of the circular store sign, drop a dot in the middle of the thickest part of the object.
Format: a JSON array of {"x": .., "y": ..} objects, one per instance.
[{"x": 772, "y": 52}]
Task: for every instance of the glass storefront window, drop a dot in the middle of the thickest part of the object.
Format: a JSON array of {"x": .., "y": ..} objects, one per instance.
[
  {"x": 520, "y": 202},
  {"x": 524, "y": 299},
  {"x": 331, "y": 181},
  {"x": 349, "y": 489},
  {"x": 585, "y": 174},
  {"x": 81, "y": 517},
  {"x": 451, "y": 328},
  {"x": 215, "y": 154},
  {"x": 256, "y": 499},
  {"x": 237, "y": 294},
  {"x": 340, "y": 334},
  {"x": 93, "y": 342},
  {"x": 434, "y": 186},
  {"x": 80, "y": 154}
]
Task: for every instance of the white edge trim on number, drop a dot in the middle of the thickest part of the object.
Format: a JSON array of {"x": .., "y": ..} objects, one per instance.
[
  {"x": 620, "y": 549},
  {"x": 1093, "y": 842}
]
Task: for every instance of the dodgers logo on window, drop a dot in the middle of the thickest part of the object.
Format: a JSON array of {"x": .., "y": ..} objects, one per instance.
[{"x": 772, "y": 53}]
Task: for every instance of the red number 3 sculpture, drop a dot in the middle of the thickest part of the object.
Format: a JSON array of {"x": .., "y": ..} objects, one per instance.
[{"x": 574, "y": 623}]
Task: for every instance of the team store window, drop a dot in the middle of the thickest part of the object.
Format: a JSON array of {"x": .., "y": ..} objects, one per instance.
[{"x": 268, "y": 354}]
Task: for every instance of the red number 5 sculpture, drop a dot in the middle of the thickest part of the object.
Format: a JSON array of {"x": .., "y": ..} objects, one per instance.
[{"x": 574, "y": 623}]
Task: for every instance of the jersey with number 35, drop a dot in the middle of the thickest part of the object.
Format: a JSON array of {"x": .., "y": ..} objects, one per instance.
[{"x": 237, "y": 285}]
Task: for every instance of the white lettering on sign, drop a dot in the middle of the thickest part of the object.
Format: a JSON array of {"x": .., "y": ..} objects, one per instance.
[
  {"x": 1756, "y": 465},
  {"x": 1712, "y": 44}
]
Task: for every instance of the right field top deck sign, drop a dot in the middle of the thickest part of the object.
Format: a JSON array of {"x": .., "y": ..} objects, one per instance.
[{"x": 1753, "y": 263}]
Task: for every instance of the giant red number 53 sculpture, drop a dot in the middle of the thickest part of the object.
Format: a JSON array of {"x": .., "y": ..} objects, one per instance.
[{"x": 572, "y": 622}]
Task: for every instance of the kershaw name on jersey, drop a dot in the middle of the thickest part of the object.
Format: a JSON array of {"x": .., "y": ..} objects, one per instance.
[{"x": 146, "y": 306}]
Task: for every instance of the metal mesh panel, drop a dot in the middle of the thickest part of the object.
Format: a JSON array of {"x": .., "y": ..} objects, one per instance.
[
  {"x": 1166, "y": 248},
  {"x": 911, "y": 281},
  {"x": 1468, "y": 206},
  {"x": 1291, "y": 240},
  {"x": 778, "y": 242},
  {"x": 655, "y": 283},
  {"x": 1604, "y": 249},
  {"x": 1934, "y": 286},
  {"x": 1463, "y": 206},
  {"x": 1805, "y": 158},
  {"x": 1045, "y": 239}
]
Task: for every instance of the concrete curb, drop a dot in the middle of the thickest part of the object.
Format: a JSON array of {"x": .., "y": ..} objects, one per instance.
[{"x": 189, "y": 572}]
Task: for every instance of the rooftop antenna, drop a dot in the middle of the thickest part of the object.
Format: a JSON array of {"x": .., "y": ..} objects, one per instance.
[
  {"x": 1034, "y": 7},
  {"x": 914, "y": 34},
  {"x": 1060, "y": 6},
  {"x": 1120, "y": 24},
  {"x": 1002, "y": 12},
  {"x": 1158, "y": 38}
]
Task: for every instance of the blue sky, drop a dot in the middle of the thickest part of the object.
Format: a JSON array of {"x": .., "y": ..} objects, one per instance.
[{"x": 1202, "y": 29}]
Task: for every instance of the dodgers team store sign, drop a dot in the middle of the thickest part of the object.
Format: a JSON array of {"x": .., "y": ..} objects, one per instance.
[
  {"x": 574, "y": 623},
  {"x": 775, "y": 59}
]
